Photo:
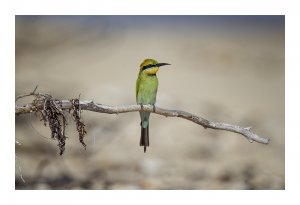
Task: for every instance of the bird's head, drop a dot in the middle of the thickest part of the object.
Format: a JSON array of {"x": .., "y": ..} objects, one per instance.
[{"x": 151, "y": 66}]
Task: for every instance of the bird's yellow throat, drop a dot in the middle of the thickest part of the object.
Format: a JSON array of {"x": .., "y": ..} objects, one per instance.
[{"x": 151, "y": 71}]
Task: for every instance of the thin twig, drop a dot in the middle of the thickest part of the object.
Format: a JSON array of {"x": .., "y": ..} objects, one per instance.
[
  {"x": 95, "y": 107},
  {"x": 26, "y": 95}
]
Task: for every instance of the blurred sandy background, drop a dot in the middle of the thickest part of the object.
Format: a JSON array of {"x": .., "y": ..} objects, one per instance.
[{"x": 224, "y": 68}]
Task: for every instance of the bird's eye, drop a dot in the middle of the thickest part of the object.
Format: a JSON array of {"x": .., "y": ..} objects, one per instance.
[{"x": 148, "y": 66}]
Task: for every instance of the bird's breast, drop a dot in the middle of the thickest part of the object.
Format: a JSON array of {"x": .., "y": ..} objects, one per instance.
[{"x": 147, "y": 90}]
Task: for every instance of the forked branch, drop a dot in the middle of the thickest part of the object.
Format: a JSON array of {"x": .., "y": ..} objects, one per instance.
[{"x": 38, "y": 106}]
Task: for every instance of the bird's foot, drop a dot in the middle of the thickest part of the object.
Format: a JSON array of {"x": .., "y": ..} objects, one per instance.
[
  {"x": 154, "y": 108},
  {"x": 142, "y": 107}
]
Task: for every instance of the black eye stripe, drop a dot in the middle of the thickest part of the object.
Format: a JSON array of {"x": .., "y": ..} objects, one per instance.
[{"x": 148, "y": 66}]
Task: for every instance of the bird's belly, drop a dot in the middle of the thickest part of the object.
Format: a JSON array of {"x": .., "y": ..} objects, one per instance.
[{"x": 147, "y": 95}]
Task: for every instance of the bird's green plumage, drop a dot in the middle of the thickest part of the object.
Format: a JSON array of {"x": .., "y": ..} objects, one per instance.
[
  {"x": 146, "y": 94},
  {"x": 146, "y": 89}
]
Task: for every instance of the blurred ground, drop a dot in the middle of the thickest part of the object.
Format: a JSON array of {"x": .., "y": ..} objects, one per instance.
[{"x": 228, "y": 69}]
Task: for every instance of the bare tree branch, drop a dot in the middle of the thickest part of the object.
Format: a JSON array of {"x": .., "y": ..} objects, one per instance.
[{"x": 95, "y": 107}]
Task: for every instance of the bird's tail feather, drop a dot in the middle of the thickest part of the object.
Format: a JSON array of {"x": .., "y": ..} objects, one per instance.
[{"x": 144, "y": 141}]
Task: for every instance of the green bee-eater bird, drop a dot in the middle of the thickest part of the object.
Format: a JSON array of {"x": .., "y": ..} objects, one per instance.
[{"x": 146, "y": 89}]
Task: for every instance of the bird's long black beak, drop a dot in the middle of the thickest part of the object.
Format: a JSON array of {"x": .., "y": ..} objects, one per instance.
[{"x": 162, "y": 64}]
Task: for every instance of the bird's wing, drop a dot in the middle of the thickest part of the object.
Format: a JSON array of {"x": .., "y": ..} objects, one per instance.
[{"x": 137, "y": 87}]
